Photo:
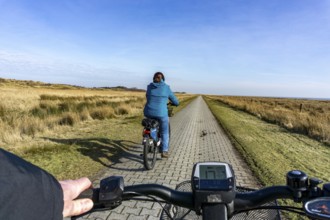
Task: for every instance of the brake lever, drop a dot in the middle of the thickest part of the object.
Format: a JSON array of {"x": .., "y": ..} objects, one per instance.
[{"x": 108, "y": 196}]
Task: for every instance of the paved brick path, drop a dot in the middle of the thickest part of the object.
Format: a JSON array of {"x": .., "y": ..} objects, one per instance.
[{"x": 195, "y": 136}]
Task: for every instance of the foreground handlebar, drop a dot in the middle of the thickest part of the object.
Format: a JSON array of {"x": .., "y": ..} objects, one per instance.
[
  {"x": 183, "y": 199},
  {"x": 112, "y": 192},
  {"x": 242, "y": 201}
]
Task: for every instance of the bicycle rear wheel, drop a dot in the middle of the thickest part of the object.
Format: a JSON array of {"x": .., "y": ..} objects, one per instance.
[{"x": 149, "y": 154}]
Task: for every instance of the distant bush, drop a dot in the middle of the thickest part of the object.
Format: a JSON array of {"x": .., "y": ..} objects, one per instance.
[
  {"x": 68, "y": 119},
  {"x": 84, "y": 115},
  {"x": 122, "y": 110},
  {"x": 2, "y": 111},
  {"x": 102, "y": 113},
  {"x": 29, "y": 126},
  {"x": 49, "y": 97}
]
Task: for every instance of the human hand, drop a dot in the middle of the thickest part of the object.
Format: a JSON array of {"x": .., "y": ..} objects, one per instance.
[{"x": 71, "y": 190}]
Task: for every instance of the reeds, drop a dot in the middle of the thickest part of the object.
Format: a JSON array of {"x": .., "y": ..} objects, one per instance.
[
  {"x": 28, "y": 108},
  {"x": 309, "y": 117},
  {"x": 28, "y": 111}
]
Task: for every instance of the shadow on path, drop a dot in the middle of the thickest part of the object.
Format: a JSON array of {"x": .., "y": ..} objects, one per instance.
[{"x": 107, "y": 152}]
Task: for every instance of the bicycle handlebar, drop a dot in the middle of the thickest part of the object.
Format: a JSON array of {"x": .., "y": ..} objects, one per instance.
[
  {"x": 254, "y": 199},
  {"x": 109, "y": 195},
  {"x": 242, "y": 201},
  {"x": 183, "y": 199}
]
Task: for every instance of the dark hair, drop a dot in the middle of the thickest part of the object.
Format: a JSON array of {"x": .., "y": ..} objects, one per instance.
[{"x": 159, "y": 73}]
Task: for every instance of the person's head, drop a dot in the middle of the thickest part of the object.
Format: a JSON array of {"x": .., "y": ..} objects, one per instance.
[{"x": 158, "y": 76}]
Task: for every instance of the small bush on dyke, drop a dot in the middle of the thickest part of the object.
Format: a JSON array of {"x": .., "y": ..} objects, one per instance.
[
  {"x": 102, "y": 103},
  {"x": 68, "y": 119},
  {"x": 64, "y": 107},
  {"x": 122, "y": 110},
  {"x": 102, "y": 113},
  {"x": 49, "y": 97},
  {"x": 2, "y": 111},
  {"x": 84, "y": 115},
  {"x": 49, "y": 107},
  {"x": 29, "y": 125},
  {"x": 114, "y": 104},
  {"x": 82, "y": 106},
  {"x": 38, "y": 112}
]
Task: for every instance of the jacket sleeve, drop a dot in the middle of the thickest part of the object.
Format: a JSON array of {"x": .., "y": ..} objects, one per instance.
[
  {"x": 27, "y": 192},
  {"x": 172, "y": 97}
]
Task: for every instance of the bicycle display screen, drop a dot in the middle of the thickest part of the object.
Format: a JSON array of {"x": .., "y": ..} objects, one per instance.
[
  {"x": 212, "y": 172},
  {"x": 212, "y": 176}
]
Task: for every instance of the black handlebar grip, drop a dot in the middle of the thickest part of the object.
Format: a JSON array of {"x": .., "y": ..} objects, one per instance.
[{"x": 92, "y": 194}]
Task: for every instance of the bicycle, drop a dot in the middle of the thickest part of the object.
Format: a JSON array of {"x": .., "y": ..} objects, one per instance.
[
  {"x": 217, "y": 197},
  {"x": 152, "y": 143}
]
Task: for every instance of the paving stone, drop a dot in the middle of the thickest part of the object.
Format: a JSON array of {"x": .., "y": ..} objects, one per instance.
[
  {"x": 153, "y": 212},
  {"x": 136, "y": 217},
  {"x": 117, "y": 216},
  {"x": 129, "y": 210}
]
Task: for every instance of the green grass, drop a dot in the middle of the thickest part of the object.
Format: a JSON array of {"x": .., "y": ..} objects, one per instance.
[
  {"x": 270, "y": 150},
  {"x": 85, "y": 149}
]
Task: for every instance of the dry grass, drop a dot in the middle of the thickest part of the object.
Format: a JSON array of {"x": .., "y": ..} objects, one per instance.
[
  {"x": 26, "y": 111},
  {"x": 28, "y": 108},
  {"x": 69, "y": 131},
  {"x": 308, "y": 117}
]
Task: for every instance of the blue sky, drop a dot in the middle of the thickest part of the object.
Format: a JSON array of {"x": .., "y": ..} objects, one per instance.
[{"x": 225, "y": 47}]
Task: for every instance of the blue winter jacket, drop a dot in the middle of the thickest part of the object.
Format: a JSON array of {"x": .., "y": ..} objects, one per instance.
[{"x": 157, "y": 96}]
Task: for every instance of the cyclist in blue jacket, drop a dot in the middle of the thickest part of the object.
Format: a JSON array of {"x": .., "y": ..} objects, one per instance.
[{"x": 158, "y": 94}]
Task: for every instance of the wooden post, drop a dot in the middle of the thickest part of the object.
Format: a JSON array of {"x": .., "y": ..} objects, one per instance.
[{"x": 301, "y": 106}]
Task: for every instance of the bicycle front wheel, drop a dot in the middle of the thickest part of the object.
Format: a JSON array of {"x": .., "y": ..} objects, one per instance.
[{"x": 149, "y": 154}]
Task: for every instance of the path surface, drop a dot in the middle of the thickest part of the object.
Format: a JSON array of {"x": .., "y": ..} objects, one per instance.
[{"x": 195, "y": 136}]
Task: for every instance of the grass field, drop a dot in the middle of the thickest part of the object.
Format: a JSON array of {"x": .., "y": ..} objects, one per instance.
[
  {"x": 304, "y": 116},
  {"x": 271, "y": 150},
  {"x": 26, "y": 111},
  {"x": 70, "y": 131}
]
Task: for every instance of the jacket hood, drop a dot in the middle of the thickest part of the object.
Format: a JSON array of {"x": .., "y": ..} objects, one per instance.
[{"x": 157, "y": 84}]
